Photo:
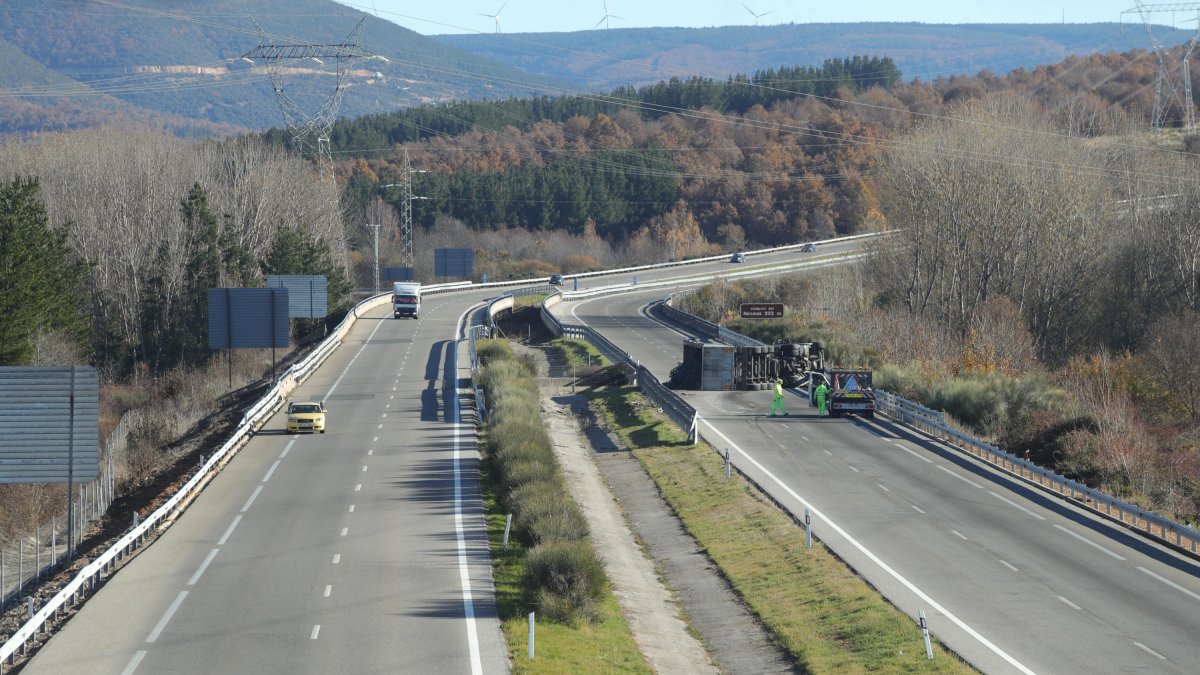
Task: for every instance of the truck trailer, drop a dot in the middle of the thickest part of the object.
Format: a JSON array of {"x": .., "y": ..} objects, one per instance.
[{"x": 406, "y": 299}]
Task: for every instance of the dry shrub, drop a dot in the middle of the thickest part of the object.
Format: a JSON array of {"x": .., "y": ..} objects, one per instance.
[{"x": 563, "y": 580}]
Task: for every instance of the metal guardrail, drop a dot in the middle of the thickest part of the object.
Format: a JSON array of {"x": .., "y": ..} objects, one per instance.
[
  {"x": 933, "y": 422},
  {"x": 673, "y": 406},
  {"x": 87, "y": 580}
]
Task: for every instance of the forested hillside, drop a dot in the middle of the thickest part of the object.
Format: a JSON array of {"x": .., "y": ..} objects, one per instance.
[
  {"x": 605, "y": 59},
  {"x": 175, "y": 64}
]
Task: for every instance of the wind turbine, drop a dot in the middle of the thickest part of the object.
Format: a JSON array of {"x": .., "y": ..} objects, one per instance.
[
  {"x": 757, "y": 16},
  {"x": 496, "y": 16},
  {"x": 606, "y": 17}
]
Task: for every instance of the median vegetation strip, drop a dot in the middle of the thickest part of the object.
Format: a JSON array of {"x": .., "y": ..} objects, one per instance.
[
  {"x": 549, "y": 565},
  {"x": 819, "y": 610}
]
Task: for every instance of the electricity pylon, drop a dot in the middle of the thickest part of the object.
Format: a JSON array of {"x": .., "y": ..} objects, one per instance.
[
  {"x": 1174, "y": 82},
  {"x": 310, "y": 132},
  {"x": 406, "y": 218}
]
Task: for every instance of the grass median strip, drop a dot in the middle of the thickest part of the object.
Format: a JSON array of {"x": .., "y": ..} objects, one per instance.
[
  {"x": 819, "y": 610},
  {"x": 549, "y": 563}
]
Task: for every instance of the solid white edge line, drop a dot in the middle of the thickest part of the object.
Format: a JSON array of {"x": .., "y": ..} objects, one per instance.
[
  {"x": 203, "y": 566},
  {"x": 464, "y": 571},
  {"x": 1017, "y": 506},
  {"x": 339, "y": 380},
  {"x": 1089, "y": 542},
  {"x": 166, "y": 617},
  {"x": 964, "y": 479},
  {"x": 253, "y": 496},
  {"x": 914, "y": 454},
  {"x": 135, "y": 662},
  {"x": 1151, "y": 652},
  {"x": 271, "y": 471},
  {"x": 936, "y": 606},
  {"x": 225, "y": 537},
  {"x": 1172, "y": 584}
]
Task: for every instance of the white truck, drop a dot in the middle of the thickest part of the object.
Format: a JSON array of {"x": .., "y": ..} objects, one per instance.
[{"x": 406, "y": 299}]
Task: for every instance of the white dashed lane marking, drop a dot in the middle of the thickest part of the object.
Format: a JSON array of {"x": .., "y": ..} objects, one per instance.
[
  {"x": 1089, "y": 542},
  {"x": 1018, "y": 507},
  {"x": 1068, "y": 603},
  {"x": 1009, "y": 565}
]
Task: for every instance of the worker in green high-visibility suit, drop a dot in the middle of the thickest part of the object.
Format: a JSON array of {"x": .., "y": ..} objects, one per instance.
[
  {"x": 821, "y": 393},
  {"x": 778, "y": 405}
]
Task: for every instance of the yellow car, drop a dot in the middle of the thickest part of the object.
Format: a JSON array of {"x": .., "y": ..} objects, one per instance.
[{"x": 306, "y": 416}]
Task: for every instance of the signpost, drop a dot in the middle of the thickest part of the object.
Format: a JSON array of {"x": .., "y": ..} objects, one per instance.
[{"x": 762, "y": 310}]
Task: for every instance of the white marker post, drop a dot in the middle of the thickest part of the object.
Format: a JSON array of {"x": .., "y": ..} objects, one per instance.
[
  {"x": 808, "y": 527},
  {"x": 531, "y": 624},
  {"x": 507, "y": 527},
  {"x": 925, "y": 632},
  {"x": 726, "y": 463}
]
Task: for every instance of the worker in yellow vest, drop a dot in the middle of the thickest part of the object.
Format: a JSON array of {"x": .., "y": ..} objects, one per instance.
[
  {"x": 778, "y": 406},
  {"x": 821, "y": 393}
]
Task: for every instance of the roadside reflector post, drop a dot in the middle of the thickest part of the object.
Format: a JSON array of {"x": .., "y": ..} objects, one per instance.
[
  {"x": 531, "y": 635},
  {"x": 726, "y": 463},
  {"x": 507, "y": 527},
  {"x": 925, "y": 633},
  {"x": 808, "y": 527}
]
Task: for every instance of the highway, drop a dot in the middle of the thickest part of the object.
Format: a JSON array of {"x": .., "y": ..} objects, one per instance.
[
  {"x": 360, "y": 550},
  {"x": 1012, "y": 579}
]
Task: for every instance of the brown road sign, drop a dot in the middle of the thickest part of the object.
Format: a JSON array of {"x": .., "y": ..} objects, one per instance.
[{"x": 762, "y": 310}]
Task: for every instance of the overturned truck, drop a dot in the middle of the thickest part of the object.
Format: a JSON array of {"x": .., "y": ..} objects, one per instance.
[{"x": 713, "y": 366}]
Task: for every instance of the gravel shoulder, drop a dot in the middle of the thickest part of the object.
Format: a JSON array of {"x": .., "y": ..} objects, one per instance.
[{"x": 678, "y": 583}]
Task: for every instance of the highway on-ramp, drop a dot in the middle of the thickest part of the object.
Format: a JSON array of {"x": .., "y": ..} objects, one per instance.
[{"x": 1013, "y": 579}]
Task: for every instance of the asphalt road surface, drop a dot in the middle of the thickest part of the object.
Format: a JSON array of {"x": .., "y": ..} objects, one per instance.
[
  {"x": 1011, "y": 578},
  {"x": 360, "y": 550}
]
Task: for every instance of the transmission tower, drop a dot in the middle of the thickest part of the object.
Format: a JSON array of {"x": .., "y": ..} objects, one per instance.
[
  {"x": 1174, "y": 82},
  {"x": 406, "y": 220},
  {"x": 310, "y": 132}
]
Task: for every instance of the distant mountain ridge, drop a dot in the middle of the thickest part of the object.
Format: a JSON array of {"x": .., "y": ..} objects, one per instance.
[
  {"x": 71, "y": 65},
  {"x": 607, "y": 58}
]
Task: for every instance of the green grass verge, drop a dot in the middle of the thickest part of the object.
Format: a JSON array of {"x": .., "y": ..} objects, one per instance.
[
  {"x": 579, "y": 353},
  {"x": 820, "y": 611},
  {"x": 605, "y": 646}
]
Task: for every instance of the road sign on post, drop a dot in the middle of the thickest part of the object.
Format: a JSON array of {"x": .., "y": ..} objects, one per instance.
[
  {"x": 453, "y": 262},
  {"x": 49, "y": 424},
  {"x": 247, "y": 318},
  {"x": 762, "y": 310},
  {"x": 308, "y": 294}
]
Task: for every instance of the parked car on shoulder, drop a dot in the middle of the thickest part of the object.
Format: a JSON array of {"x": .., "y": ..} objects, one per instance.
[{"x": 737, "y": 258}]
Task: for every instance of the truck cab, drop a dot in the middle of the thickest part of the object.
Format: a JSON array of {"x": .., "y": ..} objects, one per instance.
[{"x": 406, "y": 299}]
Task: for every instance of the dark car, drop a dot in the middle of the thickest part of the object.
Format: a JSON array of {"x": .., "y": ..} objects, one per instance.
[
  {"x": 737, "y": 257},
  {"x": 556, "y": 280},
  {"x": 808, "y": 248}
]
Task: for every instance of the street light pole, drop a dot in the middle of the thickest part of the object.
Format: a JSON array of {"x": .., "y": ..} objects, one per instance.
[{"x": 375, "y": 226}]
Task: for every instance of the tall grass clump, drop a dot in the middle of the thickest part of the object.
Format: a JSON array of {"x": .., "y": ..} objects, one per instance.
[{"x": 563, "y": 578}]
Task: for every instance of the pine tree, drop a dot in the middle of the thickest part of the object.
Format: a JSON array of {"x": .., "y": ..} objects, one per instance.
[{"x": 39, "y": 278}]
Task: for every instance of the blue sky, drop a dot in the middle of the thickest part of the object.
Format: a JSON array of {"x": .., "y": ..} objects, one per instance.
[{"x": 525, "y": 16}]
